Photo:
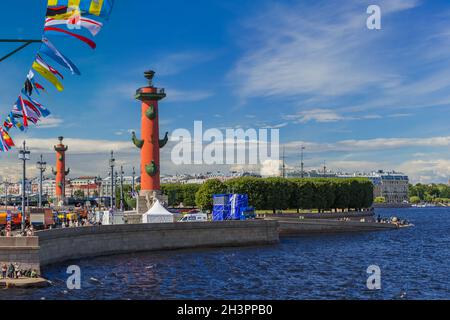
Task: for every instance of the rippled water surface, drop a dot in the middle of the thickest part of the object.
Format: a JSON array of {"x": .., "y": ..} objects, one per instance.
[{"x": 414, "y": 264}]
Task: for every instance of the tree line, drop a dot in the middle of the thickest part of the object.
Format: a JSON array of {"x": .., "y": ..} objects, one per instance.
[
  {"x": 429, "y": 193},
  {"x": 278, "y": 193}
]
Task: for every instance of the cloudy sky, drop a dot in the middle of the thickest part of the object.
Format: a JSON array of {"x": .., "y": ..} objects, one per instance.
[{"x": 358, "y": 99}]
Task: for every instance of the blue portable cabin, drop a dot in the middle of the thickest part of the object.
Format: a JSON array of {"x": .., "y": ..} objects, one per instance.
[{"x": 229, "y": 207}]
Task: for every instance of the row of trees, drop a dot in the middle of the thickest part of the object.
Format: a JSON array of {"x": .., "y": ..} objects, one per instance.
[
  {"x": 181, "y": 194},
  {"x": 281, "y": 194},
  {"x": 429, "y": 193},
  {"x": 272, "y": 193}
]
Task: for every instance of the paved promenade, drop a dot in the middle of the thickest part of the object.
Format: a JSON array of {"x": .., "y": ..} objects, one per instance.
[{"x": 24, "y": 283}]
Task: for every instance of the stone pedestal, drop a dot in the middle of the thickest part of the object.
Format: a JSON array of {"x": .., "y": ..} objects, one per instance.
[{"x": 146, "y": 200}]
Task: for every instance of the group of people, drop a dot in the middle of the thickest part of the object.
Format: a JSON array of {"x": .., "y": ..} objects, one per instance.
[
  {"x": 394, "y": 220},
  {"x": 76, "y": 223},
  {"x": 28, "y": 232},
  {"x": 13, "y": 271}
]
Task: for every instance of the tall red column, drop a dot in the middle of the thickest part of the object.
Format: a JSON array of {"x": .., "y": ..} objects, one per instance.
[
  {"x": 61, "y": 171},
  {"x": 150, "y": 142}
]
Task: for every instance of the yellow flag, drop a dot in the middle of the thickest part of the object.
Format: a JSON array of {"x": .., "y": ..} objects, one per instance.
[{"x": 47, "y": 74}]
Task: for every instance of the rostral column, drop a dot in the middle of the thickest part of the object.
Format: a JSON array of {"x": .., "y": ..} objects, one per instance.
[
  {"x": 61, "y": 171},
  {"x": 150, "y": 144}
]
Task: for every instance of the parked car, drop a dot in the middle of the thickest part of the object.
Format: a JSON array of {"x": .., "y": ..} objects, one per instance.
[{"x": 195, "y": 217}]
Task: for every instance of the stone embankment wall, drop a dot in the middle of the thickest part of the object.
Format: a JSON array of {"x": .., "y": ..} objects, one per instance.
[
  {"x": 70, "y": 244},
  {"x": 21, "y": 250}
]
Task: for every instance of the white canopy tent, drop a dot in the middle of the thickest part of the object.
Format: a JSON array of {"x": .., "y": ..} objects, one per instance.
[{"x": 158, "y": 214}]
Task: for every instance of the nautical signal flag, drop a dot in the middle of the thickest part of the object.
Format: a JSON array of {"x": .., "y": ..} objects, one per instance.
[
  {"x": 50, "y": 50},
  {"x": 41, "y": 67},
  {"x": 61, "y": 15},
  {"x": 6, "y": 138},
  {"x": 100, "y": 8},
  {"x": 93, "y": 26},
  {"x": 61, "y": 32}
]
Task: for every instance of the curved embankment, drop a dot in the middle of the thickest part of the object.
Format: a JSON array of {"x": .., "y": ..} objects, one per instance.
[
  {"x": 61, "y": 245},
  {"x": 368, "y": 215},
  {"x": 310, "y": 226}
]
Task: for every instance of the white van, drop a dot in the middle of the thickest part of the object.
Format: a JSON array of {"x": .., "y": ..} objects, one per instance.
[{"x": 195, "y": 217}]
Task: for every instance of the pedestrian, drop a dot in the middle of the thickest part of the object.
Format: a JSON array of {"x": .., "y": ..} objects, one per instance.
[
  {"x": 17, "y": 270},
  {"x": 4, "y": 270},
  {"x": 10, "y": 271}
]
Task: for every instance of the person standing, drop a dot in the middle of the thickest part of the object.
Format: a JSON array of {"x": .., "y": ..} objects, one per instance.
[
  {"x": 4, "y": 270},
  {"x": 10, "y": 271}
]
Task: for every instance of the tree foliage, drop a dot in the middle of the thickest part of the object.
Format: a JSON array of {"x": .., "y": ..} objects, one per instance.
[
  {"x": 204, "y": 195},
  {"x": 429, "y": 193},
  {"x": 180, "y": 194},
  {"x": 280, "y": 194}
]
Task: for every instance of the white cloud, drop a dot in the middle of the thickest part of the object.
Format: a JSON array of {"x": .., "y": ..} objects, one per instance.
[
  {"x": 78, "y": 146},
  {"x": 322, "y": 52},
  {"x": 176, "y": 95},
  {"x": 50, "y": 122},
  {"x": 378, "y": 144},
  {"x": 175, "y": 63},
  {"x": 427, "y": 171},
  {"x": 319, "y": 115},
  {"x": 322, "y": 49}
]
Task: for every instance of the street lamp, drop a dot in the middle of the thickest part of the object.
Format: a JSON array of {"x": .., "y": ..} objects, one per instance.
[
  {"x": 112, "y": 163},
  {"x": 41, "y": 166},
  {"x": 302, "y": 163},
  {"x": 122, "y": 197},
  {"x": 24, "y": 156},
  {"x": 133, "y": 182},
  {"x": 6, "y": 184}
]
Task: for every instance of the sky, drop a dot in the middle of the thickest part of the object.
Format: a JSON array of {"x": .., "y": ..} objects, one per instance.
[{"x": 357, "y": 99}]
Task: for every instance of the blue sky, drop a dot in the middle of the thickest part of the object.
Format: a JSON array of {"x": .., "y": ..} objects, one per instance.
[{"x": 357, "y": 98}]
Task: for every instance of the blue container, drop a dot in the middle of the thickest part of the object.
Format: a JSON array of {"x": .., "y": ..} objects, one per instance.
[{"x": 229, "y": 207}]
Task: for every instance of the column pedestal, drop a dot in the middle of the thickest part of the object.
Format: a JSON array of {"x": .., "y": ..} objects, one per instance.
[{"x": 146, "y": 200}]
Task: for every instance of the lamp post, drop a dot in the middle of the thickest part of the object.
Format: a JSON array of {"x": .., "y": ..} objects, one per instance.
[
  {"x": 41, "y": 166},
  {"x": 112, "y": 163},
  {"x": 122, "y": 197},
  {"x": 24, "y": 156},
  {"x": 133, "y": 187},
  {"x": 6, "y": 184},
  {"x": 302, "y": 164}
]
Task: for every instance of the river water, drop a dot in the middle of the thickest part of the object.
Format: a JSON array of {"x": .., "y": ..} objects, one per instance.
[{"x": 414, "y": 264}]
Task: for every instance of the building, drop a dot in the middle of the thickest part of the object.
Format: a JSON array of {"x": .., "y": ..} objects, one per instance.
[
  {"x": 49, "y": 188},
  {"x": 105, "y": 184},
  {"x": 14, "y": 189},
  {"x": 90, "y": 186},
  {"x": 392, "y": 186}
]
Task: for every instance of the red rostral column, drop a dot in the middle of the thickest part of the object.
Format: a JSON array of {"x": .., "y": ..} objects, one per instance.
[
  {"x": 150, "y": 144},
  {"x": 61, "y": 171}
]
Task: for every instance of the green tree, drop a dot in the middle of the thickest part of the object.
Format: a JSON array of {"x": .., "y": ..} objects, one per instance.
[
  {"x": 302, "y": 194},
  {"x": 381, "y": 200},
  {"x": 324, "y": 194},
  {"x": 278, "y": 193},
  {"x": 414, "y": 200},
  {"x": 79, "y": 194},
  {"x": 204, "y": 196},
  {"x": 255, "y": 188},
  {"x": 189, "y": 192}
]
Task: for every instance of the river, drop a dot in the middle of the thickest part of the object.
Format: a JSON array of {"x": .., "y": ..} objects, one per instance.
[{"x": 414, "y": 264}]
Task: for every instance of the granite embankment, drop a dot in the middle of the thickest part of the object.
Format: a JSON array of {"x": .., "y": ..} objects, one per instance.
[{"x": 62, "y": 245}]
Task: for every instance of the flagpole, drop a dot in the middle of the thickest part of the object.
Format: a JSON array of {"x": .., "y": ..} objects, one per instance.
[{"x": 26, "y": 43}]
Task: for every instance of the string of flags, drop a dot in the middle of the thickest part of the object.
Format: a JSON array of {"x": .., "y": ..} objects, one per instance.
[{"x": 64, "y": 18}]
